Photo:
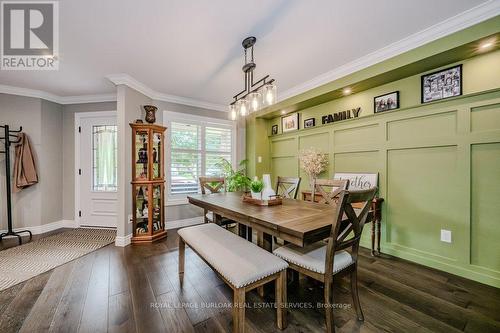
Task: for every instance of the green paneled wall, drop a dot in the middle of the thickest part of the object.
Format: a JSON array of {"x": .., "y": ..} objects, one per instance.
[
  {"x": 423, "y": 198},
  {"x": 485, "y": 210},
  {"x": 438, "y": 165},
  {"x": 434, "y": 173}
]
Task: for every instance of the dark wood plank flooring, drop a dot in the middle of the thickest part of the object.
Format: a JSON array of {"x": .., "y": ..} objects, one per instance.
[{"x": 136, "y": 289}]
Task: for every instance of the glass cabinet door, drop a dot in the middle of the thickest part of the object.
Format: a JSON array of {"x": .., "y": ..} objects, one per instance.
[
  {"x": 157, "y": 156},
  {"x": 141, "y": 154},
  {"x": 157, "y": 208},
  {"x": 141, "y": 208}
]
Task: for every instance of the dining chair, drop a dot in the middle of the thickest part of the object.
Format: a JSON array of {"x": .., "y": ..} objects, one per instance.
[
  {"x": 329, "y": 189},
  {"x": 322, "y": 261},
  {"x": 210, "y": 185},
  {"x": 288, "y": 187}
]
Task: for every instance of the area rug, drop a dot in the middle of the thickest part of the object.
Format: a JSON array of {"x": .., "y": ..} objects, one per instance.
[{"x": 20, "y": 263}]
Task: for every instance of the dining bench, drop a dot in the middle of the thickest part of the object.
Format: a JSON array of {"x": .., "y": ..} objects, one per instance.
[{"x": 240, "y": 264}]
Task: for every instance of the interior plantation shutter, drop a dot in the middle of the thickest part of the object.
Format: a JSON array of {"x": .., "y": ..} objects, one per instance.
[
  {"x": 196, "y": 150},
  {"x": 217, "y": 145},
  {"x": 185, "y": 158}
]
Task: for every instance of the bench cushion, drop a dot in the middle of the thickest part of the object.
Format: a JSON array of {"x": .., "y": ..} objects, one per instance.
[
  {"x": 312, "y": 257},
  {"x": 239, "y": 261}
]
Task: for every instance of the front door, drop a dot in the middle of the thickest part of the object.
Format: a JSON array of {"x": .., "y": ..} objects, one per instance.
[{"x": 97, "y": 170}]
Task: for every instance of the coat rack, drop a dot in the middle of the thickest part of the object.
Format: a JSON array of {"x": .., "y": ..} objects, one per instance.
[{"x": 7, "y": 142}]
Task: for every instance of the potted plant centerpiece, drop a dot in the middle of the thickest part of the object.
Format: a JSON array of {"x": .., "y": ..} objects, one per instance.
[
  {"x": 256, "y": 187},
  {"x": 313, "y": 162}
]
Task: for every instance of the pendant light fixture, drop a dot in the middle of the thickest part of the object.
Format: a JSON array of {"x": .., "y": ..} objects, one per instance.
[{"x": 256, "y": 95}]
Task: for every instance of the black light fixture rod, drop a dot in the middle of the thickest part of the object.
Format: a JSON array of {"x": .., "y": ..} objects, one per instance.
[
  {"x": 247, "y": 92},
  {"x": 263, "y": 79},
  {"x": 248, "y": 68}
]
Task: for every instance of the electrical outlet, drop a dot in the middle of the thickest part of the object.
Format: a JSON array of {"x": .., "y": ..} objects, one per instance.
[
  {"x": 259, "y": 159},
  {"x": 445, "y": 236}
]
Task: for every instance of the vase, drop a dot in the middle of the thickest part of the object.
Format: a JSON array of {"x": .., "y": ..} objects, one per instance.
[
  {"x": 257, "y": 195},
  {"x": 312, "y": 180},
  {"x": 150, "y": 113},
  {"x": 268, "y": 190}
]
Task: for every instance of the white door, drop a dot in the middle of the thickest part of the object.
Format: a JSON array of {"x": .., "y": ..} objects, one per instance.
[{"x": 97, "y": 170}]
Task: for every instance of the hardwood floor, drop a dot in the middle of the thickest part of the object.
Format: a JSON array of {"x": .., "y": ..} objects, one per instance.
[{"x": 136, "y": 289}]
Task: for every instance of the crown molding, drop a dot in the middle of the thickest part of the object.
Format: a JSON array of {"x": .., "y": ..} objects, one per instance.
[
  {"x": 451, "y": 25},
  {"x": 88, "y": 99},
  {"x": 11, "y": 90},
  {"x": 129, "y": 81}
]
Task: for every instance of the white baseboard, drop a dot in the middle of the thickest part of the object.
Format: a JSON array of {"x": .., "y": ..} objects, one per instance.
[
  {"x": 41, "y": 229},
  {"x": 123, "y": 241},
  {"x": 184, "y": 223}
]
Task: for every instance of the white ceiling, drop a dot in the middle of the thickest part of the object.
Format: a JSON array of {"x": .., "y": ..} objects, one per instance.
[{"x": 193, "y": 48}]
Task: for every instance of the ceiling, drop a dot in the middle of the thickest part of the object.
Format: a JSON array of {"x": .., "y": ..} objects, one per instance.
[{"x": 193, "y": 48}]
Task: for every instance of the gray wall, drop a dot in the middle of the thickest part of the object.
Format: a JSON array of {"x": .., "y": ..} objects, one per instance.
[
  {"x": 51, "y": 162},
  {"x": 129, "y": 108},
  {"x": 50, "y": 127},
  {"x": 42, "y": 122},
  {"x": 68, "y": 163},
  {"x": 167, "y": 106}
]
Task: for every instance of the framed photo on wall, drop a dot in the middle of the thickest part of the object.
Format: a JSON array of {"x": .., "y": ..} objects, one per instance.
[
  {"x": 311, "y": 122},
  {"x": 274, "y": 130},
  {"x": 290, "y": 123},
  {"x": 442, "y": 84},
  {"x": 386, "y": 102}
]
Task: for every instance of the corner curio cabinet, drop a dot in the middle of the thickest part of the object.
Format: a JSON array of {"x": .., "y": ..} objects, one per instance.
[{"x": 148, "y": 183}]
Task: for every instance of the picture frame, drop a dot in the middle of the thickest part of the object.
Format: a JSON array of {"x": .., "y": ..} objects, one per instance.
[
  {"x": 311, "y": 122},
  {"x": 290, "y": 123},
  {"x": 274, "y": 130},
  {"x": 442, "y": 84},
  {"x": 386, "y": 102}
]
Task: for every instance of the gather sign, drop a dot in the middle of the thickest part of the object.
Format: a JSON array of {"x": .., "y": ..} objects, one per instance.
[{"x": 342, "y": 115}]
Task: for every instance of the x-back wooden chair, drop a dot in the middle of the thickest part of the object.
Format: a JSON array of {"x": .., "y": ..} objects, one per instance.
[
  {"x": 329, "y": 189},
  {"x": 210, "y": 185},
  {"x": 323, "y": 261},
  {"x": 288, "y": 187}
]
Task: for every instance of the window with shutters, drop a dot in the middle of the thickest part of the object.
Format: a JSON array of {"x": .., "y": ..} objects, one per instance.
[{"x": 195, "y": 149}]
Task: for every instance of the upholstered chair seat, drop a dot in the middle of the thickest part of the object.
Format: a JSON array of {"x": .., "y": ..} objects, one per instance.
[{"x": 312, "y": 257}]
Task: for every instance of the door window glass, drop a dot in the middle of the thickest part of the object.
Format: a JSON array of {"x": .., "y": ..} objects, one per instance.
[{"x": 105, "y": 150}]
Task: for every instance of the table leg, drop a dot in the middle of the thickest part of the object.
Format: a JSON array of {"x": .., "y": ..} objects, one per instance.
[
  {"x": 242, "y": 230},
  {"x": 265, "y": 241},
  {"x": 374, "y": 222}
]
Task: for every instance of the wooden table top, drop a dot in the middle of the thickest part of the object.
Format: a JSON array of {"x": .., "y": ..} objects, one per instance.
[{"x": 296, "y": 221}]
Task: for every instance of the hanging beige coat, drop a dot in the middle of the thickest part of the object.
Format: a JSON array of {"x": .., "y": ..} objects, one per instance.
[{"x": 25, "y": 173}]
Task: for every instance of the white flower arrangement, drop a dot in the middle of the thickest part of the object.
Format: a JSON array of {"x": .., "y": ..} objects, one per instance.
[{"x": 313, "y": 162}]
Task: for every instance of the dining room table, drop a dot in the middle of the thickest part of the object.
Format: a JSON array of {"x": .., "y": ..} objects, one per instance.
[{"x": 295, "y": 221}]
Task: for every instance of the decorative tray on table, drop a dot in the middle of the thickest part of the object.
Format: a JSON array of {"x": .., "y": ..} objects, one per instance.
[{"x": 276, "y": 200}]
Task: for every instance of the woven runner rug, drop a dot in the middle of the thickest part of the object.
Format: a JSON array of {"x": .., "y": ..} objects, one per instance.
[{"x": 20, "y": 263}]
